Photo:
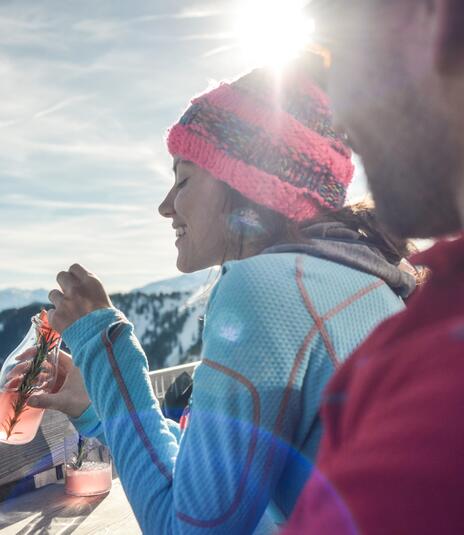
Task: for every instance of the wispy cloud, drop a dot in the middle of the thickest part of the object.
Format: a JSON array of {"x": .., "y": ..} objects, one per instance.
[
  {"x": 219, "y": 50},
  {"x": 104, "y": 29},
  {"x": 6, "y": 124},
  {"x": 116, "y": 153},
  {"x": 198, "y": 13},
  {"x": 47, "y": 204},
  {"x": 207, "y": 36},
  {"x": 85, "y": 102},
  {"x": 28, "y": 29},
  {"x": 124, "y": 256},
  {"x": 61, "y": 105}
]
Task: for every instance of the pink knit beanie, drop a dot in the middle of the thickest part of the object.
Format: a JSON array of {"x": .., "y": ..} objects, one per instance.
[{"x": 270, "y": 139}]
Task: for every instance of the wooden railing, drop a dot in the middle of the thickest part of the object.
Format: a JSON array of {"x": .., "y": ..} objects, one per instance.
[{"x": 38, "y": 463}]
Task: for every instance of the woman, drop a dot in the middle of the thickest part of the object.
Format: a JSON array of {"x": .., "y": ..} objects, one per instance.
[{"x": 256, "y": 173}]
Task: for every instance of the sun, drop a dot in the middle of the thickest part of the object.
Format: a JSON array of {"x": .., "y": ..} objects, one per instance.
[{"x": 272, "y": 32}]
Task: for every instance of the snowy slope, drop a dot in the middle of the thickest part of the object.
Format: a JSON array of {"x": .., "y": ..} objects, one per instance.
[
  {"x": 190, "y": 282},
  {"x": 16, "y": 298},
  {"x": 167, "y": 325},
  {"x": 167, "y": 317}
]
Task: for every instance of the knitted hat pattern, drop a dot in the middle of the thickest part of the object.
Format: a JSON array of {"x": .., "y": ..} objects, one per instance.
[{"x": 270, "y": 139}]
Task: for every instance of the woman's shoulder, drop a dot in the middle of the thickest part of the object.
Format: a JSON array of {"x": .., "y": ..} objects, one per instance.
[
  {"x": 259, "y": 264},
  {"x": 280, "y": 276},
  {"x": 278, "y": 266},
  {"x": 260, "y": 277},
  {"x": 254, "y": 296},
  {"x": 274, "y": 272},
  {"x": 269, "y": 275}
]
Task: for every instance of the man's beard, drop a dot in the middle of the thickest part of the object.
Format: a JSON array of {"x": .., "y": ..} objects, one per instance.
[
  {"x": 414, "y": 175},
  {"x": 418, "y": 213}
]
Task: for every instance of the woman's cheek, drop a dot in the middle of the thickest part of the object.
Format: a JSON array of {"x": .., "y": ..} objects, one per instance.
[
  {"x": 185, "y": 200},
  {"x": 178, "y": 203}
]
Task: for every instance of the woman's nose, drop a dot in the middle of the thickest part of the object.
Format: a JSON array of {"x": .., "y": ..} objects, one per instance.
[{"x": 166, "y": 208}]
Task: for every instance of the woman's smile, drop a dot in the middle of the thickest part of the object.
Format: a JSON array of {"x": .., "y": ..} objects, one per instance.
[{"x": 180, "y": 233}]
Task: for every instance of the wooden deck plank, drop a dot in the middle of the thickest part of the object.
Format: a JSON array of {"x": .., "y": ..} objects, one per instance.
[
  {"x": 44, "y": 452},
  {"x": 50, "y": 510}
]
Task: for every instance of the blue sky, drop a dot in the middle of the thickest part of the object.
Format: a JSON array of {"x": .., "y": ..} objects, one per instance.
[{"x": 87, "y": 92}]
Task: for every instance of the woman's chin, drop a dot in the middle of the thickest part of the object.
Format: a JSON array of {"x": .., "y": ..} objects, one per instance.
[{"x": 184, "y": 266}]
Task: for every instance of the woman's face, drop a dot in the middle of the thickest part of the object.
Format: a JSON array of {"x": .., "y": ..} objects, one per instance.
[{"x": 196, "y": 204}]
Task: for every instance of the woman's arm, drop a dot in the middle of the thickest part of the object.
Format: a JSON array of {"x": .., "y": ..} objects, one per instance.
[
  {"x": 88, "y": 424},
  {"x": 244, "y": 411}
]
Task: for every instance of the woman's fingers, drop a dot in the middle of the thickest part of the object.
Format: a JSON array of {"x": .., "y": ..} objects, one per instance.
[
  {"x": 18, "y": 370},
  {"x": 60, "y": 402},
  {"x": 71, "y": 398},
  {"x": 66, "y": 280},
  {"x": 50, "y": 316},
  {"x": 65, "y": 366},
  {"x": 47, "y": 373},
  {"x": 82, "y": 293},
  {"x": 48, "y": 401},
  {"x": 29, "y": 354},
  {"x": 55, "y": 297},
  {"x": 14, "y": 383},
  {"x": 79, "y": 272},
  {"x": 41, "y": 382}
]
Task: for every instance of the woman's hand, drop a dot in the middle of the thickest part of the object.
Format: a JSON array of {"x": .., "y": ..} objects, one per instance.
[
  {"x": 82, "y": 293},
  {"x": 68, "y": 394}
]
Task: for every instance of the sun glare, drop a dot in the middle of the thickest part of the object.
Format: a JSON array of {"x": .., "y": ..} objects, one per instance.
[{"x": 271, "y": 32}]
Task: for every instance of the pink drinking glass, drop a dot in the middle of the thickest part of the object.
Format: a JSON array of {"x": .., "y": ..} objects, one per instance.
[{"x": 88, "y": 470}]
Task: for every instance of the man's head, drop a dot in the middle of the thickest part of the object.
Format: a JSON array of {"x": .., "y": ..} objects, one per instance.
[{"x": 397, "y": 86}]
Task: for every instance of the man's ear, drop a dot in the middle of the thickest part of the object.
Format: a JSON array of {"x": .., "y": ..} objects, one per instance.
[{"x": 449, "y": 45}]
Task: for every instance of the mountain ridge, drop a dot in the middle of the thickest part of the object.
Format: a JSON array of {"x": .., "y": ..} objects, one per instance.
[
  {"x": 12, "y": 297},
  {"x": 168, "y": 324},
  {"x": 17, "y": 297}
]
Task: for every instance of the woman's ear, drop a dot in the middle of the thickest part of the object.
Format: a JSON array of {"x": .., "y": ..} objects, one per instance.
[{"x": 449, "y": 43}]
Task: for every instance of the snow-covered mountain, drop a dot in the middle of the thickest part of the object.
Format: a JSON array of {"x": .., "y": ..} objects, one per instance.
[
  {"x": 16, "y": 298},
  {"x": 167, "y": 320},
  {"x": 190, "y": 282},
  {"x": 168, "y": 325}
]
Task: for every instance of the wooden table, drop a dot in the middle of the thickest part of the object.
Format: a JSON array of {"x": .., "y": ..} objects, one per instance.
[{"x": 50, "y": 511}]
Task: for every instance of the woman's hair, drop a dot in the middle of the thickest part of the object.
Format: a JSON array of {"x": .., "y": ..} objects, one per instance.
[
  {"x": 361, "y": 218},
  {"x": 255, "y": 227}
]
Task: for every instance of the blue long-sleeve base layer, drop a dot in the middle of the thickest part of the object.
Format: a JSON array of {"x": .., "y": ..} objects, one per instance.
[{"x": 276, "y": 327}]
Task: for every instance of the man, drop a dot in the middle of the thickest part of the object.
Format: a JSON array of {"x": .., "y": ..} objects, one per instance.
[{"x": 392, "y": 459}]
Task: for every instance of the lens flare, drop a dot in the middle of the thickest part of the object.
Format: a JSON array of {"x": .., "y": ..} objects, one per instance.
[{"x": 272, "y": 32}]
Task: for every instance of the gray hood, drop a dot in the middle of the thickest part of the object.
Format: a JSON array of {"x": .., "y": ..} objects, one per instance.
[{"x": 334, "y": 241}]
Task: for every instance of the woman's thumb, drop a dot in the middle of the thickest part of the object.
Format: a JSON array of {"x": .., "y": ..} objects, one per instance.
[{"x": 46, "y": 401}]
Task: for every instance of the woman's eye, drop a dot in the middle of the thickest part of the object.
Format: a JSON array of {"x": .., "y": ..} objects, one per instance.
[{"x": 182, "y": 183}]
